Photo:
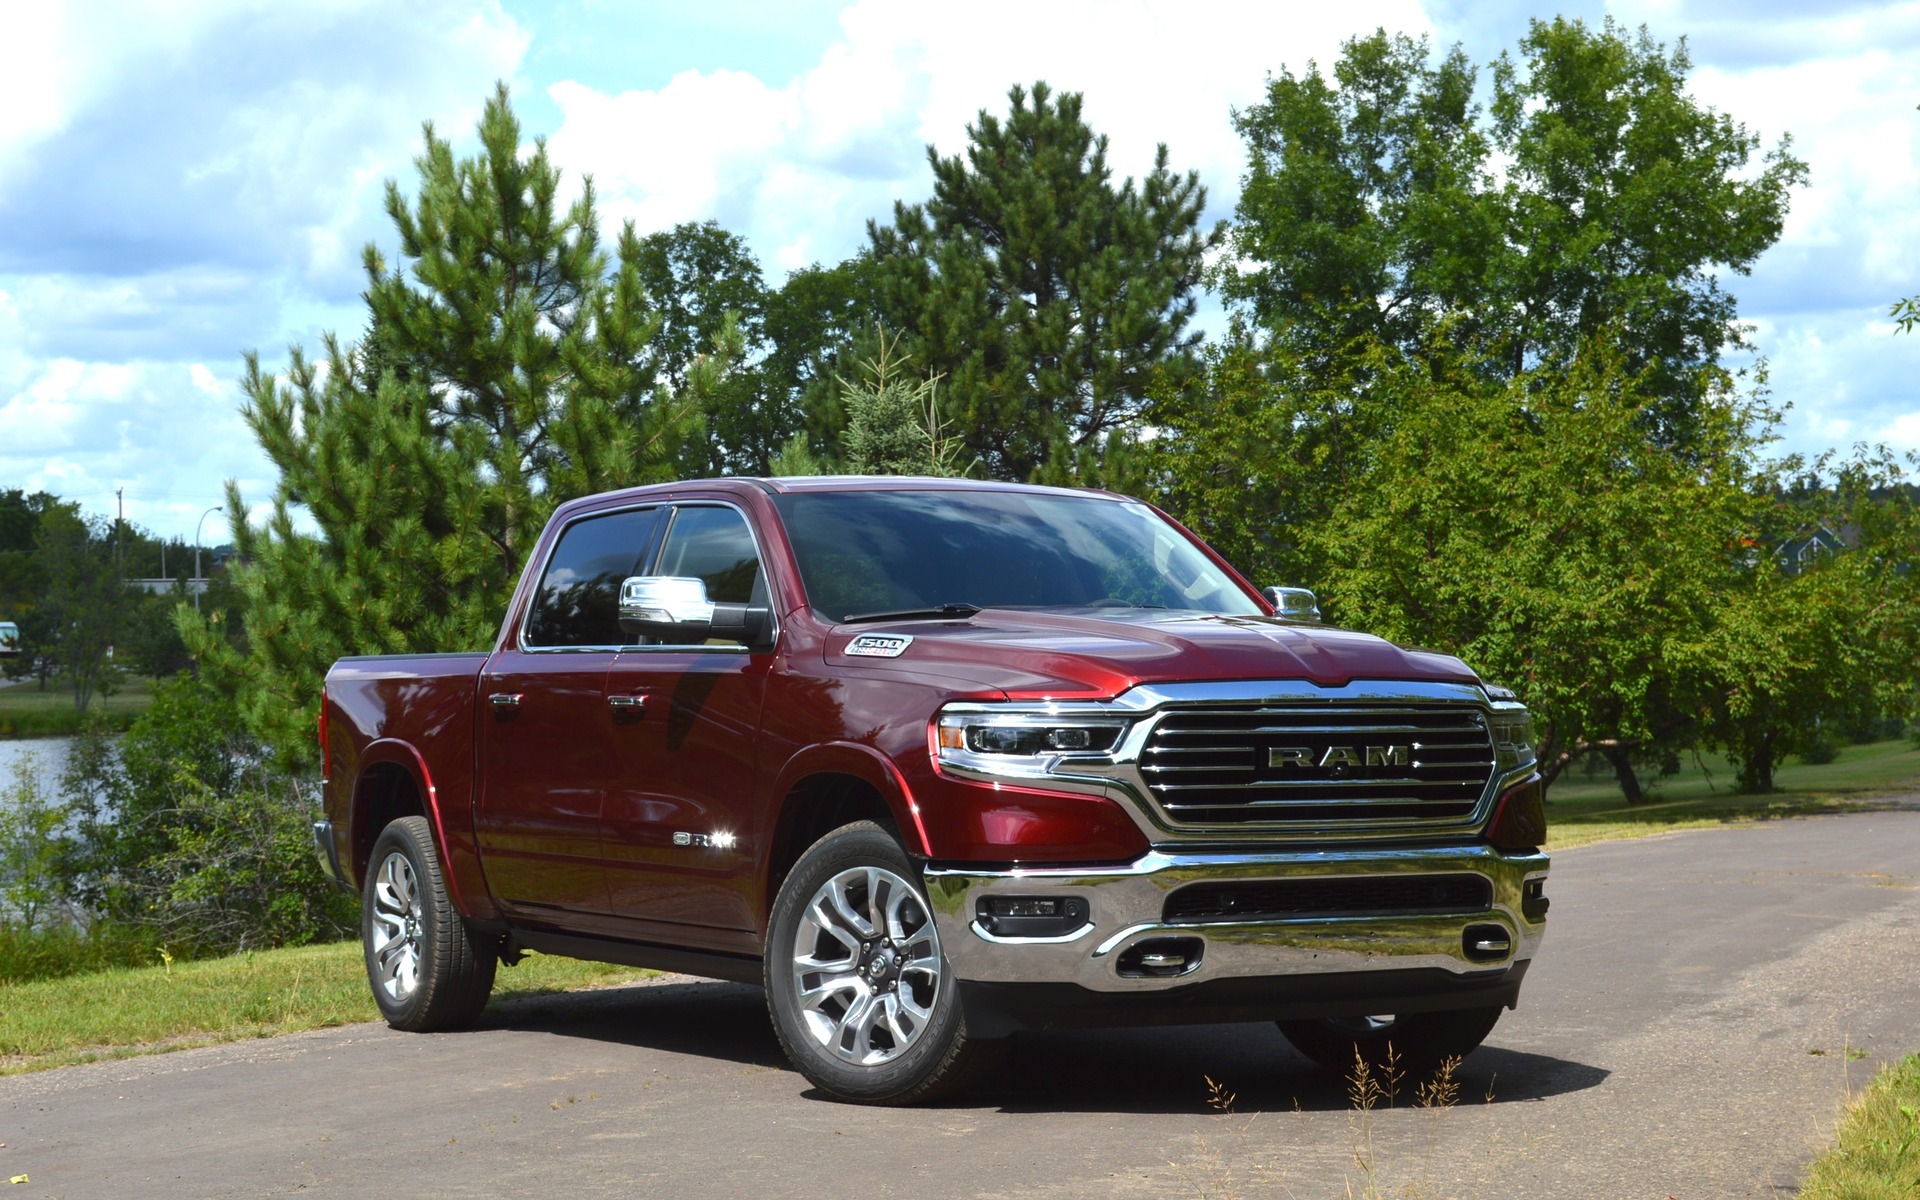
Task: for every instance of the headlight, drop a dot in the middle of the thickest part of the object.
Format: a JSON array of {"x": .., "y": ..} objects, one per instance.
[
  {"x": 1022, "y": 743},
  {"x": 1512, "y": 738}
]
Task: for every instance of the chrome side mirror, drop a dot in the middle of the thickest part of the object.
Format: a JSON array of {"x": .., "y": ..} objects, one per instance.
[
  {"x": 1293, "y": 604},
  {"x": 675, "y": 610}
]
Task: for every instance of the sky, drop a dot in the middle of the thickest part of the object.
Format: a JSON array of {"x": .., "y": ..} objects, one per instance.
[{"x": 185, "y": 181}]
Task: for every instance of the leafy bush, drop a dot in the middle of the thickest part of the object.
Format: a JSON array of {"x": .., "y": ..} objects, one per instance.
[{"x": 183, "y": 834}]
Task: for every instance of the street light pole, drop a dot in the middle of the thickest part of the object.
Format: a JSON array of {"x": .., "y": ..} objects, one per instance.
[{"x": 199, "y": 582}]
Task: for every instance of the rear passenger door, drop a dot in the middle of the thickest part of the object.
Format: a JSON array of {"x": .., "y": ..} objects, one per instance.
[{"x": 545, "y": 724}]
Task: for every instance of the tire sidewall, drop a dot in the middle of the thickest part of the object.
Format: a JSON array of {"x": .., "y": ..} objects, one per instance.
[
  {"x": 404, "y": 836},
  {"x": 858, "y": 845}
]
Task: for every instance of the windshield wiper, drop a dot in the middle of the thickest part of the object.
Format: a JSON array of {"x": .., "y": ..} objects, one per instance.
[{"x": 908, "y": 614}]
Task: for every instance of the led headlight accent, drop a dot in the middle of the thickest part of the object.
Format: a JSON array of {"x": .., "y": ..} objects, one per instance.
[
  {"x": 1022, "y": 743},
  {"x": 1512, "y": 738}
]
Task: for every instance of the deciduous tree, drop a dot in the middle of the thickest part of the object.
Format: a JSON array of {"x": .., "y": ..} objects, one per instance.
[{"x": 1594, "y": 196}]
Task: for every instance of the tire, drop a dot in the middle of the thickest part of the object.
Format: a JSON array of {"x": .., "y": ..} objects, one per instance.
[
  {"x": 1416, "y": 1042},
  {"x": 864, "y": 1001},
  {"x": 428, "y": 970}
]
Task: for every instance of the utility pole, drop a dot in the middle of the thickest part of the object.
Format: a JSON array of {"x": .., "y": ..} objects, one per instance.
[{"x": 119, "y": 523}]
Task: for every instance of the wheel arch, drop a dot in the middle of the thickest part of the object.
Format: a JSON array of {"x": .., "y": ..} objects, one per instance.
[
  {"x": 827, "y": 787},
  {"x": 395, "y": 782}
]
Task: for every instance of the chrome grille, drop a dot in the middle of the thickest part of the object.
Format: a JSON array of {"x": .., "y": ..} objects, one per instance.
[{"x": 1309, "y": 765}]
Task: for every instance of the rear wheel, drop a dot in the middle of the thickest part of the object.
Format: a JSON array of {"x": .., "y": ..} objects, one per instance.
[
  {"x": 864, "y": 1001},
  {"x": 429, "y": 971},
  {"x": 1413, "y": 1043}
]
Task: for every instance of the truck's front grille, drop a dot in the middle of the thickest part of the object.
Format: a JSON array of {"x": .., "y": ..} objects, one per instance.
[
  {"x": 1313, "y": 766},
  {"x": 1375, "y": 895}
]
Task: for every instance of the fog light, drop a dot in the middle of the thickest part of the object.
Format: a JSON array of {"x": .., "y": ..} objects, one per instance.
[{"x": 1031, "y": 916}]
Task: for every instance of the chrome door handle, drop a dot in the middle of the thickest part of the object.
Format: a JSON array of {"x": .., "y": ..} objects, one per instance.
[
  {"x": 504, "y": 701},
  {"x": 627, "y": 704}
]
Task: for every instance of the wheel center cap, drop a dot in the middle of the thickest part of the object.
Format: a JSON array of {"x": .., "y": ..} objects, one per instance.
[{"x": 882, "y": 965}]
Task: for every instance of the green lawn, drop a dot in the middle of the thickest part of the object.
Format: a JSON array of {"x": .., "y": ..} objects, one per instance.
[
  {"x": 171, "y": 1006},
  {"x": 26, "y": 711},
  {"x": 1581, "y": 810}
]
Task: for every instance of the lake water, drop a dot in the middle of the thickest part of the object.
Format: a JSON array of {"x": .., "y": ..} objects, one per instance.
[{"x": 44, "y": 756}]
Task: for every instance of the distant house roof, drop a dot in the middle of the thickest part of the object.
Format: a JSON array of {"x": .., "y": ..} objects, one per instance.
[{"x": 1810, "y": 545}]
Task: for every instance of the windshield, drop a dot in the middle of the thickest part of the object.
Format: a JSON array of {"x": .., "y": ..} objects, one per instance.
[{"x": 864, "y": 553}]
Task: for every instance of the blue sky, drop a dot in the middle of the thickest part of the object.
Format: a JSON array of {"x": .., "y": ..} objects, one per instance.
[{"x": 182, "y": 182}]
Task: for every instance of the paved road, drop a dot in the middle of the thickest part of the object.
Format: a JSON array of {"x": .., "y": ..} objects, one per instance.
[{"x": 1684, "y": 1034}]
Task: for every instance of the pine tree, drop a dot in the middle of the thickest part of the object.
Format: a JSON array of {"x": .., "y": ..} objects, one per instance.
[
  {"x": 504, "y": 371},
  {"x": 1049, "y": 299},
  {"x": 894, "y": 425}
]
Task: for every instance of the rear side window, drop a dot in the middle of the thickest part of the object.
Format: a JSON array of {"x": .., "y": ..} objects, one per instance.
[
  {"x": 578, "y": 600},
  {"x": 714, "y": 545}
]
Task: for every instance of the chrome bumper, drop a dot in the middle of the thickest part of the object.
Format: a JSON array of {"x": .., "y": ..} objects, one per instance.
[{"x": 1126, "y": 908}]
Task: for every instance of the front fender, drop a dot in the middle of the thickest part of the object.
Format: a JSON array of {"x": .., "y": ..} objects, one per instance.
[{"x": 870, "y": 767}]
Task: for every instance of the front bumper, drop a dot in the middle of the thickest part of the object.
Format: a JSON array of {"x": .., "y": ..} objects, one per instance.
[{"x": 1363, "y": 962}]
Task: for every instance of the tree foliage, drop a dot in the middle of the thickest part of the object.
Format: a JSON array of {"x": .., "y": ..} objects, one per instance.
[
  {"x": 187, "y": 832},
  {"x": 1048, "y": 299},
  {"x": 84, "y": 607},
  {"x": 1800, "y": 651},
  {"x": 894, "y": 425},
  {"x": 1536, "y": 530},
  {"x": 509, "y": 366},
  {"x": 1594, "y": 196}
]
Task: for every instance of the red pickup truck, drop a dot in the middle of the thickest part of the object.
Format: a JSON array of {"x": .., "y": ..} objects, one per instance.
[{"x": 934, "y": 762}]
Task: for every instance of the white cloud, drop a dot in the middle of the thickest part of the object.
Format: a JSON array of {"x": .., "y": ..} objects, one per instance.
[
  {"x": 243, "y": 133},
  {"x": 799, "y": 169},
  {"x": 168, "y": 435},
  {"x": 182, "y": 182},
  {"x": 1903, "y": 433}
]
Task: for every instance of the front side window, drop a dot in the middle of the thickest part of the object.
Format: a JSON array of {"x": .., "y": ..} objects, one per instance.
[
  {"x": 714, "y": 545},
  {"x": 577, "y": 603}
]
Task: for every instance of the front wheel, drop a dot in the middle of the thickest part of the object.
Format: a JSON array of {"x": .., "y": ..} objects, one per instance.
[
  {"x": 864, "y": 1001},
  {"x": 428, "y": 969},
  {"x": 1413, "y": 1043}
]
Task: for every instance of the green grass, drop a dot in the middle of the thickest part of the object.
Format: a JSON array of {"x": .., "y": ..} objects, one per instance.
[
  {"x": 1876, "y": 1153},
  {"x": 26, "y": 711},
  {"x": 1580, "y": 811},
  {"x": 171, "y": 1006}
]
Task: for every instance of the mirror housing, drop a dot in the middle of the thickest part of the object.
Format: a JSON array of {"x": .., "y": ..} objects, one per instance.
[
  {"x": 1293, "y": 604},
  {"x": 674, "y": 610}
]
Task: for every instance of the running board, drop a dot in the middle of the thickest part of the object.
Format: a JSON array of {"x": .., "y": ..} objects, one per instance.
[{"x": 735, "y": 967}]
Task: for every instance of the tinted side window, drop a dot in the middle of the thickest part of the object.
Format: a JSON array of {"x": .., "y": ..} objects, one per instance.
[
  {"x": 578, "y": 600},
  {"x": 714, "y": 544}
]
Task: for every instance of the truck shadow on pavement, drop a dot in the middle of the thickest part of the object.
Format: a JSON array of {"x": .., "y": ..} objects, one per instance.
[{"x": 1158, "y": 1070}]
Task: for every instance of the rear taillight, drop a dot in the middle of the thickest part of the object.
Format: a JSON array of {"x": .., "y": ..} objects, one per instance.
[
  {"x": 1519, "y": 822},
  {"x": 326, "y": 748}
]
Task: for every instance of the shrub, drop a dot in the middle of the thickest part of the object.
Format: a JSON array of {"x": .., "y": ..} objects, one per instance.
[{"x": 182, "y": 834}]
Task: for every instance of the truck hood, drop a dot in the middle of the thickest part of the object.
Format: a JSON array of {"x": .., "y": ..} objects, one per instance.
[{"x": 1103, "y": 653}]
